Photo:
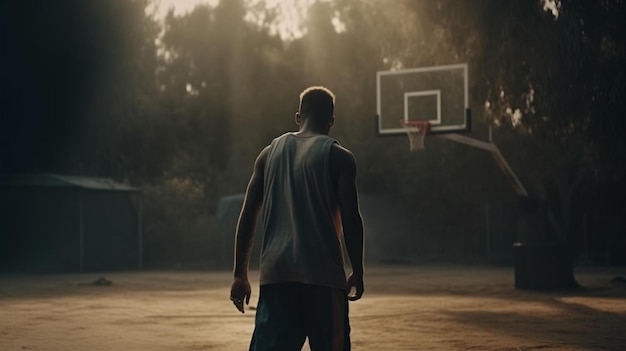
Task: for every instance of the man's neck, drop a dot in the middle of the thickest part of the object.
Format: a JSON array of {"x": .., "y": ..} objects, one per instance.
[
  {"x": 302, "y": 134},
  {"x": 308, "y": 131}
]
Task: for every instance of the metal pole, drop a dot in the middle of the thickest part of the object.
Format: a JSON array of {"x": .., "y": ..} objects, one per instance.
[
  {"x": 139, "y": 234},
  {"x": 488, "y": 230},
  {"x": 81, "y": 231},
  {"x": 497, "y": 156},
  {"x": 585, "y": 237}
]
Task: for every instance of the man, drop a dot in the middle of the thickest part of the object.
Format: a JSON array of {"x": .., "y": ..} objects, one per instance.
[{"x": 304, "y": 184}]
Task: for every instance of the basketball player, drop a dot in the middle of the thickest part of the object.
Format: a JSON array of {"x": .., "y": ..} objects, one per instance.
[{"x": 303, "y": 184}]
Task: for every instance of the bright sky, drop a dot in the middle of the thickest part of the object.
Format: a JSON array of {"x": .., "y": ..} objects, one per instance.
[
  {"x": 291, "y": 12},
  {"x": 180, "y": 6}
]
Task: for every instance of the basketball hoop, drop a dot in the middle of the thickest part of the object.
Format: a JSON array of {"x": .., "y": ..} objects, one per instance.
[{"x": 416, "y": 131}]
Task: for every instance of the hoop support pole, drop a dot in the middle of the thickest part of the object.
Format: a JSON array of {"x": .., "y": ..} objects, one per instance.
[
  {"x": 462, "y": 139},
  {"x": 497, "y": 156}
]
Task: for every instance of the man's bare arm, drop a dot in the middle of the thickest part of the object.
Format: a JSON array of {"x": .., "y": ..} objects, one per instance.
[
  {"x": 247, "y": 218},
  {"x": 350, "y": 215},
  {"x": 240, "y": 290}
]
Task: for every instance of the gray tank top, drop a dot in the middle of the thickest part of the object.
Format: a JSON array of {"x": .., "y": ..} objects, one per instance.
[{"x": 301, "y": 225}]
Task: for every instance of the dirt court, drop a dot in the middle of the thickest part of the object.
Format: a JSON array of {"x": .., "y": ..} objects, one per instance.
[{"x": 422, "y": 307}]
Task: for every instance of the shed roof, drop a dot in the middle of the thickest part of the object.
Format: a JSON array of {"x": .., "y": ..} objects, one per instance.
[{"x": 69, "y": 181}]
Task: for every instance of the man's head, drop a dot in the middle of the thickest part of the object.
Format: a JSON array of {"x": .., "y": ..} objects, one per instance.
[{"x": 317, "y": 105}]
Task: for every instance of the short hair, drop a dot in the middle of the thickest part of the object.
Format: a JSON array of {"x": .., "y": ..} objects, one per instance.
[{"x": 317, "y": 102}]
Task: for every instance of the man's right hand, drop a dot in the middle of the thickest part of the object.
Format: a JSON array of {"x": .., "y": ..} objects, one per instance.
[
  {"x": 239, "y": 292},
  {"x": 355, "y": 281}
]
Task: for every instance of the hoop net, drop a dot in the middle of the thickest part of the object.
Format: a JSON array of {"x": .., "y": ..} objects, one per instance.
[{"x": 416, "y": 131}]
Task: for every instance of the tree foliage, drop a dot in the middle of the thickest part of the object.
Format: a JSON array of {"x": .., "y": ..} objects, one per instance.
[{"x": 191, "y": 99}]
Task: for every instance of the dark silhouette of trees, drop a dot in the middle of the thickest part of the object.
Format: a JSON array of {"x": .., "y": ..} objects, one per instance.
[
  {"x": 556, "y": 77},
  {"x": 184, "y": 104}
]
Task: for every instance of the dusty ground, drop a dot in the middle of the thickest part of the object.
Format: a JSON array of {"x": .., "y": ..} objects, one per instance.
[{"x": 428, "y": 307}]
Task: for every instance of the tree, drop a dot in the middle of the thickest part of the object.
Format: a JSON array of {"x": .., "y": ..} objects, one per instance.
[
  {"x": 555, "y": 74},
  {"x": 90, "y": 82},
  {"x": 214, "y": 79}
]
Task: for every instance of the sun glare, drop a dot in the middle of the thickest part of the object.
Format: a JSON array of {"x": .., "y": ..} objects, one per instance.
[
  {"x": 552, "y": 6},
  {"x": 180, "y": 7},
  {"x": 291, "y": 13}
]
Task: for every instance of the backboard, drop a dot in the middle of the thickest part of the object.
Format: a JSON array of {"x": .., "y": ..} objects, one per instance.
[{"x": 438, "y": 94}]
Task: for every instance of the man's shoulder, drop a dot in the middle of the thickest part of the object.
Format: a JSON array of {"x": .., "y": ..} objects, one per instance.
[
  {"x": 281, "y": 137},
  {"x": 340, "y": 151},
  {"x": 341, "y": 157},
  {"x": 262, "y": 157}
]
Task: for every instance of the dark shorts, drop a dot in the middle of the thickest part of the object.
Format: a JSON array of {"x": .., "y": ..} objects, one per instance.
[{"x": 287, "y": 313}]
